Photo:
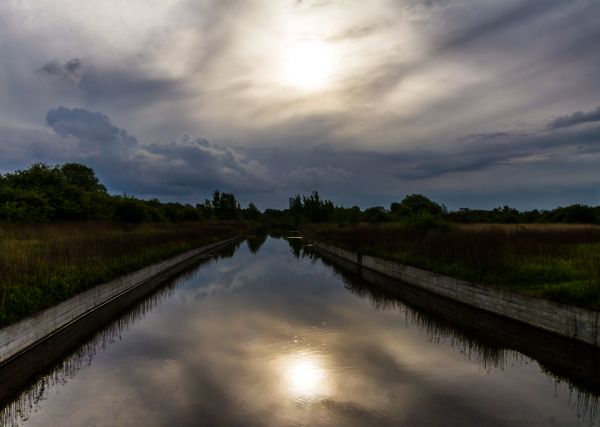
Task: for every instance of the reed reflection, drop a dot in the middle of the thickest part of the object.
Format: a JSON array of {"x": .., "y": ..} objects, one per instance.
[
  {"x": 267, "y": 339},
  {"x": 15, "y": 409},
  {"x": 254, "y": 242},
  {"x": 297, "y": 245},
  {"x": 491, "y": 342}
]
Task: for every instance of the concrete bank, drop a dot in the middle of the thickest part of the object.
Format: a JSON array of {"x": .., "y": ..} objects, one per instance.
[
  {"x": 19, "y": 337},
  {"x": 571, "y": 322}
]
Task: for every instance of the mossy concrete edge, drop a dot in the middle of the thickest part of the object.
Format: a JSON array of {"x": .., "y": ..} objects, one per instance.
[
  {"x": 24, "y": 334},
  {"x": 568, "y": 321}
]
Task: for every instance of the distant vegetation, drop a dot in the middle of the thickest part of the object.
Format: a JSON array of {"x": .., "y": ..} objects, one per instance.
[
  {"x": 418, "y": 211},
  {"x": 61, "y": 232},
  {"x": 72, "y": 192},
  {"x": 421, "y": 211}
]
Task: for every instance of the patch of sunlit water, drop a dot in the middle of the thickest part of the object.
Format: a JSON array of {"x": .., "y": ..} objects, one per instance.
[{"x": 304, "y": 376}]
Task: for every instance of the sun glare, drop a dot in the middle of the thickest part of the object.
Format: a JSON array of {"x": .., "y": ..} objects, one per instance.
[
  {"x": 308, "y": 64},
  {"x": 304, "y": 377}
]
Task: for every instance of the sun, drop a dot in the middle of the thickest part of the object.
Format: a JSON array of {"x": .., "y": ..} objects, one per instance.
[{"x": 308, "y": 65}]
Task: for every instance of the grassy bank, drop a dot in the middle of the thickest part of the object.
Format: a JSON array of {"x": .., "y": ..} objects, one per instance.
[
  {"x": 556, "y": 262},
  {"x": 41, "y": 265}
]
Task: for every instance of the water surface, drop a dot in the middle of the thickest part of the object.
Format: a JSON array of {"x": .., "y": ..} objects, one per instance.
[{"x": 269, "y": 337}]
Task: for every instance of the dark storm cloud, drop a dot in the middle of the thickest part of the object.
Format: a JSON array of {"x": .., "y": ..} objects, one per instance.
[
  {"x": 190, "y": 168},
  {"x": 473, "y": 152},
  {"x": 92, "y": 130},
  {"x": 18, "y": 147},
  {"x": 485, "y": 151},
  {"x": 309, "y": 178},
  {"x": 183, "y": 166},
  {"x": 575, "y": 119},
  {"x": 70, "y": 71},
  {"x": 125, "y": 87},
  {"x": 527, "y": 162},
  {"x": 188, "y": 162}
]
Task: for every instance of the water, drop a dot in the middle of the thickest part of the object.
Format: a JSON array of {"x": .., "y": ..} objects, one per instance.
[{"x": 269, "y": 337}]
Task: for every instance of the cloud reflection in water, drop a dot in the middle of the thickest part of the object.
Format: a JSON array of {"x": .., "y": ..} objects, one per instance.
[{"x": 269, "y": 340}]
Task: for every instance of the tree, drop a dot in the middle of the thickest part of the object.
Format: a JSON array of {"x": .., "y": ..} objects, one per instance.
[
  {"x": 506, "y": 215},
  {"x": 251, "y": 213},
  {"x": 315, "y": 209},
  {"x": 82, "y": 177},
  {"x": 129, "y": 209},
  {"x": 416, "y": 204},
  {"x": 225, "y": 206},
  {"x": 347, "y": 216},
  {"x": 577, "y": 213},
  {"x": 375, "y": 215}
]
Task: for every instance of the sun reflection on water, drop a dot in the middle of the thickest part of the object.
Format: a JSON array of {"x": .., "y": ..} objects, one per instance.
[{"x": 304, "y": 377}]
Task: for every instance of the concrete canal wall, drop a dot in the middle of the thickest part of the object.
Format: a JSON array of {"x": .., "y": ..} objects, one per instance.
[
  {"x": 18, "y": 337},
  {"x": 568, "y": 321}
]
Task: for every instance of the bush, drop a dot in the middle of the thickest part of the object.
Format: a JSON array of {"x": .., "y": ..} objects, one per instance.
[
  {"x": 129, "y": 210},
  {"x": 425, "y": 221}
]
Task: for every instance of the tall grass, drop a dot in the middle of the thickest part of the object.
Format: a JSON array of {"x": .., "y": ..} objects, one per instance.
[
  {"x": 558, "y": 262},
  {"x": 41, "y": 265}
]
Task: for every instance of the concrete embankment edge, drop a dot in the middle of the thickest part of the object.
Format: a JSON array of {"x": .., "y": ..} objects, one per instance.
[
  {"x": 20, "y": 336},
  {"x": 571, "y": 322}
]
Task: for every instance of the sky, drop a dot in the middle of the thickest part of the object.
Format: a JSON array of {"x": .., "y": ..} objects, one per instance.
[{"x": 474, "y": 103}]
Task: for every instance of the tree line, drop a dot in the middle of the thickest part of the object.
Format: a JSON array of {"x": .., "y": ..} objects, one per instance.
[{"x": 72, "y": 192}]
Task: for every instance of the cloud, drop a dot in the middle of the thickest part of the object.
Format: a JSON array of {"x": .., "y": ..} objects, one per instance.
[
  {"x": 310, "y": 178},
  {"x": 575, "y": 119},
  {"x": 164, "y": 79},
  {"x": 20, "y": 145},
  {"x": 521, "y": 13},
  {"x": 189, "y": 162},
  {"x": 485, "y": 151},
  {"x": 411, "y": 79},
  {"x": 357, "y": 32},
  {"x": 469, "y": 52},
  {"x": 70, "y": 71},
  {"x": 126, "y": 87},
  {"x": 94, "y": 131},
  {"x": 188, "y": 169},
  {"x": 169, "y": 168}
]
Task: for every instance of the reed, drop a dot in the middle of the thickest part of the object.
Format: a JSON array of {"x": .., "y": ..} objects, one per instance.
[
  {"x": 43, "y": 264},
  {"x": 558, "y": 262}
]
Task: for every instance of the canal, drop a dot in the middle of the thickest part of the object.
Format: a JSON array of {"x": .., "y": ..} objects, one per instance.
[{"x": 270, "y": 334}]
